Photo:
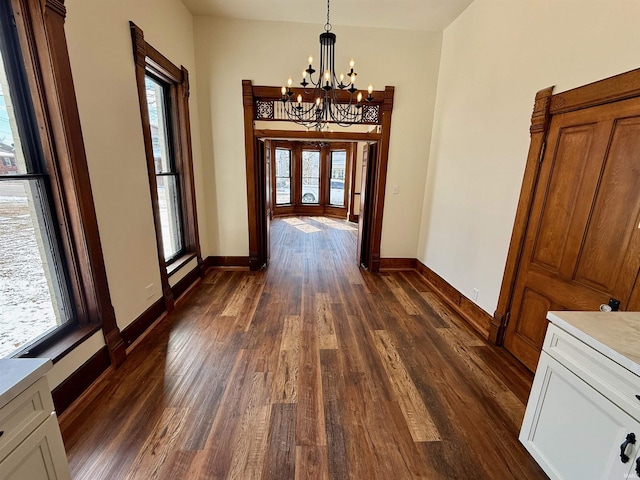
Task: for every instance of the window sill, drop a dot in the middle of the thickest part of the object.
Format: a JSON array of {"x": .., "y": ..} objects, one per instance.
[
  {"x": 179, "y": 262},
  {"x": 58, "y": 348}
]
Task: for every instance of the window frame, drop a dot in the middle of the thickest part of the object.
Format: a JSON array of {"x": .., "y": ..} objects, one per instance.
[
  {"x": 281, "y": 146},
  {"x": 323, "y": 205},
  {"x": 149, "y": 61},
  {"x": 39, "y": 30},
  {"x": 345, "y": 188},
  {"x": 321, "y": 177}
]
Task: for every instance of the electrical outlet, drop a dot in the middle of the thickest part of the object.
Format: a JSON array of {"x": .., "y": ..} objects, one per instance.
[
  {"x": 150, "y": 291},
  {"x": 475, "y": 294}
]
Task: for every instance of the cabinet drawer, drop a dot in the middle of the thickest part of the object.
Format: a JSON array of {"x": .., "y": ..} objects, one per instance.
[
  {"x": 23, "y": 414},
  {"x": 603, "y": 374}
]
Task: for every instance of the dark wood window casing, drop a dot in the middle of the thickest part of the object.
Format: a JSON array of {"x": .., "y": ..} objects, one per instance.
[
  {"x": 322, "y": 204},
  {"x": 39, "y": 29},
  {"x": 150, "y": 62}
]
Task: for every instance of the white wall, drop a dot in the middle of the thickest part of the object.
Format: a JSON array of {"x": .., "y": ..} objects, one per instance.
[
  {"x": 102, "y": 63},
  {"x": 495, "y": 57},
  {"x": 228, "y": 51}
]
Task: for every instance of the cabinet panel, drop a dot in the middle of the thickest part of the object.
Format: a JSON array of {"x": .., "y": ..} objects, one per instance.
[
  {"x": 40, "y": 457},
  {"x": 612, "y": 380},
  {"x": 23, "y": 414},
  {"x": 572, "y": 431}
]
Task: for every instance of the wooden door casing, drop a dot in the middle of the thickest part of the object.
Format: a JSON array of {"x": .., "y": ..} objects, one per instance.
[{"x": 579, "y": 242}]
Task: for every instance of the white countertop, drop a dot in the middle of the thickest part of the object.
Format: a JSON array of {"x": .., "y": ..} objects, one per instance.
[
  {"x": 614, "y": 334},
  {"x": 16, "y": 374}
]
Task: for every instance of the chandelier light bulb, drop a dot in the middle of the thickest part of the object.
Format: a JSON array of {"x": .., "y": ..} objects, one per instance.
[
  {"x": 353, "y": 79},
  {"x": 359, "y": 97},
  {"x": 289, "y": 82},
  {"x": 370, "y": 89},
  {"x": 304, "y": 74},
  {"x": 327, "y": 75},
  {"x": 318, "y": 101},
  {"x": 341, "y": 77},
  {"x": 310, "y": 59},
  {"x": 299, "y": 98},
  {"x": 283, "y": 90},
  {"x": 352, "y": 63}
]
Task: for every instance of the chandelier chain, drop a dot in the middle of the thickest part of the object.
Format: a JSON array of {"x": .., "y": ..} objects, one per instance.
[{"x": 327, "y": 26}]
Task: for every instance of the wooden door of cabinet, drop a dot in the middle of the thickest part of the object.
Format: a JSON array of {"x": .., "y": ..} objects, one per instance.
[{"x": 573, "y": 431}]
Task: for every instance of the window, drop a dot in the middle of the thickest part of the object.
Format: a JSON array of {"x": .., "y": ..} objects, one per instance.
[
  {"x": 34, "y": 299},
  {"x": 310, "y": 176},
  {"x": 283, "y": 176},
  {"x": 167, "y": 179},
  {"x": 338, "y": 169},
  {"x": 163, "y": 90},
  {"x": 53, "y": 290}
]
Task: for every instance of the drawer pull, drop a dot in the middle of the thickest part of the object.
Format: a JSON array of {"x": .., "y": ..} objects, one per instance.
[{"x": 631, "y": 440}]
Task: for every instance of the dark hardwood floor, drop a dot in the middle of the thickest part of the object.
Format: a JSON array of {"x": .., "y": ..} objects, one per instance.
[{"x": 312, "y": 369}]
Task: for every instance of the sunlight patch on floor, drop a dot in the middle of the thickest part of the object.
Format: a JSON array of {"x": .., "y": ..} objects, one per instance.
[
  {"x": 293, "y": 221},
  {"x": 306, "y": 228},
  {"x": 338, "y": 225}
]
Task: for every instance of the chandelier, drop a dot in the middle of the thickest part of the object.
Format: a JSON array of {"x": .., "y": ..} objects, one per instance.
[{"x": 327, "y": 98}]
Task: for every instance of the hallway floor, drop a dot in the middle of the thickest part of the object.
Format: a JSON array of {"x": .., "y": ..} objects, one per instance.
[{"x": 312, "y": 369}]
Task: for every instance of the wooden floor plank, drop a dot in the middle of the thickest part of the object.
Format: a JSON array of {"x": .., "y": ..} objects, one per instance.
[
  {"x": 415, "y": 413},
  {"x": 310, "y": 369}
]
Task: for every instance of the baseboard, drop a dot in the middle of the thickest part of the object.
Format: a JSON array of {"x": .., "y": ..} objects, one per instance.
[
  {"x": 136, "y": 328},
  {"x": 79, "y": 381},
  {"x": 216, "y": 261},
  {"x": 72, "y": 412},
  {"x": 354, "y": 218},
  {"x": 397, "y": 264},
  {"x": 469, "y": 311}
]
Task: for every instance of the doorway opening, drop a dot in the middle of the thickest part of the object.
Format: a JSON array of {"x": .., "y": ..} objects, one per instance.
[{"x": 259, "y": 109}]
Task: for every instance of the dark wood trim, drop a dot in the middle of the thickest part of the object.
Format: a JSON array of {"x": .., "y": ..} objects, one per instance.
[
  {"x": 140, "y": 55},
  {"x": 469, "y": 311},
  {"x": 186, "y": 282},
  {"x": 254, "y": 202},
  {"x": 190, "y": 212},
  {"x": 40, "y": 25},
  {"x": 76, "y": 383},
  {"x": 540, "y": 119},
  {"x": 266, "y": 93},
  {"x": 214, "y": 261},
  {"x": 136, "y": 328},
  {"x": 148, "y": 59},
  {"x": 299, "y": 135},
  {"x": 612, "y": 89},
  {"x": 353, "y": 160},
  {"x": 380, "y": 182},
  {"x": 398, "y": 264},
  {"x": 255, "y": 232}
]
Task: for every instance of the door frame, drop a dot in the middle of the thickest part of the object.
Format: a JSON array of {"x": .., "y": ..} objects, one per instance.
[
  {"x": 257, "y": 237},
  {"x": 546, "y": 105}
]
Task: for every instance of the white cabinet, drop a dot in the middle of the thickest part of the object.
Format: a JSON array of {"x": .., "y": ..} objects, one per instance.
[
  {"x": 580, "y": 412},
  {"x": 31, "y": 446}
]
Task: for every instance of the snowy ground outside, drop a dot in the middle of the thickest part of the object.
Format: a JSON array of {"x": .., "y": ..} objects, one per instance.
[{"x": 26, "y": 310}]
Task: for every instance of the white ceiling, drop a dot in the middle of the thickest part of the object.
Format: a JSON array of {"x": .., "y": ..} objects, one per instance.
[{"x": 403, "y": 14}]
